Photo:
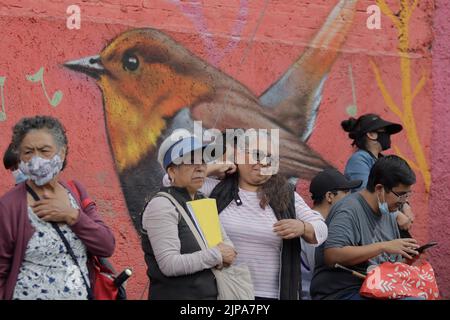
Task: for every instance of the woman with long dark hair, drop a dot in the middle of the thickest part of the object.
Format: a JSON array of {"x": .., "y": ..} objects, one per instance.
[{"x": 264, "y": 218}]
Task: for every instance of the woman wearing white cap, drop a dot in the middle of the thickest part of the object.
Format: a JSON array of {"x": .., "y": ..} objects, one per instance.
[{"x": 177, "y": 267}]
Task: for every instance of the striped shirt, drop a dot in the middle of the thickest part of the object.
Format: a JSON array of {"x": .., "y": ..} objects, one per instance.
[{"x": 250, "y": 228}]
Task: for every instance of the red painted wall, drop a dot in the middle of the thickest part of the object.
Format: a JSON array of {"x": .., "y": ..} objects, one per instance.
[{"x": 35, "y": 35}]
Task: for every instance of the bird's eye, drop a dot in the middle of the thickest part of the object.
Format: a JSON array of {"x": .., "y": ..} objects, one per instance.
[{"x": 130, "y": 62}]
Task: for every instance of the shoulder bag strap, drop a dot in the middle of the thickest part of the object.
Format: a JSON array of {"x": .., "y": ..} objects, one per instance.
[
  {"x": 66, "y": 244},
  {"x": 185, "y": 216}
]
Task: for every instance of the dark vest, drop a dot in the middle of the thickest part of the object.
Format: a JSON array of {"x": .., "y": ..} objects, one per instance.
[
  {"x": 290, "y": 274},
  {"x": 197, "y": 286}
]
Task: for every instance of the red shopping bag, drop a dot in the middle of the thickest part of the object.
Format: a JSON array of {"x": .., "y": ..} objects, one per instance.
[
  {"x": 104, "y": 287},
  {"x": 399, "y": 280}
]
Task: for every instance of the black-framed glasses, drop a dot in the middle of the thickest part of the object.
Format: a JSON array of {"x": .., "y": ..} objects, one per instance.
[{"x": 403, "y": 196}]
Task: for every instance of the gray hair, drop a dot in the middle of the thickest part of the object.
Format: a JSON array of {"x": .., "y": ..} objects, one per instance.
[{"x": 52, "y": 125}]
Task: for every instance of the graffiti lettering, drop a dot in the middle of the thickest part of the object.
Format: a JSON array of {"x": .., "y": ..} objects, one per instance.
[
  {"x": 194, "y": 11},
  {"x": 374, "y": 20},
  {"x": 39, "y": 77},
  {"x": 74, "y": 20}
]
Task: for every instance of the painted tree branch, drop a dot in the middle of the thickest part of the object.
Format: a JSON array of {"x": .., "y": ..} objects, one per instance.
[
  {"x": 405, "y": 113},
  {"x": 411, "y": 163},
  {"x": 384, "y": 91},
  {"x": 388, "y": 12},
  {"x": 420, "y": 85}
]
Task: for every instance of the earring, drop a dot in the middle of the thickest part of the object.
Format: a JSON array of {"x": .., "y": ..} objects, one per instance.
[{"x": 330, "y": 201}]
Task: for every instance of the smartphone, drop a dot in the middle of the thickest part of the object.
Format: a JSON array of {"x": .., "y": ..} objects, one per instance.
[{"x": 426, "y": 246}]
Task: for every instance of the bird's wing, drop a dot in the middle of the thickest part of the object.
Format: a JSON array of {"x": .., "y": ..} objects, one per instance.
[
  {"x": 297, "y": 159},
  {"x": 295, "y": 98}
]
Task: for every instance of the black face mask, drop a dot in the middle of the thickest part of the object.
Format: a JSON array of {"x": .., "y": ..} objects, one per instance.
[{"x": 384, "y": 139}]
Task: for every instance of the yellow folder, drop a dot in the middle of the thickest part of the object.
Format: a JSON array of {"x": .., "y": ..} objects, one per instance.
[{"x": 204, "y": 212}]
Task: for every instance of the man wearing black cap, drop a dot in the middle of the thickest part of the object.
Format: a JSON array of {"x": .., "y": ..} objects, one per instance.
[{"x": 327, "y": 188}]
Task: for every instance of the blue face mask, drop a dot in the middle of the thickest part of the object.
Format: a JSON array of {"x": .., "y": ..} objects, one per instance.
[
  {"x": 383, "y": 207},
  {"x": 19, "y": 176}
]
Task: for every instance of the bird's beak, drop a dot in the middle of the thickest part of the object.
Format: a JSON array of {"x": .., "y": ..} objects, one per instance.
[{"x": 92, "y": 66}]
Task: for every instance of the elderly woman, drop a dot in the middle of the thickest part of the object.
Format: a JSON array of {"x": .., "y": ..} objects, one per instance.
[
  {"x": 34, "y": 261},
  {"x": 177, "y": 267}
]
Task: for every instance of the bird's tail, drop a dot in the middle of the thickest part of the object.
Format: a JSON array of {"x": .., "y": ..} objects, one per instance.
[{"x": 295, "y": 98}]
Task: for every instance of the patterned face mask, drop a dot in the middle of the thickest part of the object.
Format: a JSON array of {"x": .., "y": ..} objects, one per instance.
[{"x": 41, "y": 170}]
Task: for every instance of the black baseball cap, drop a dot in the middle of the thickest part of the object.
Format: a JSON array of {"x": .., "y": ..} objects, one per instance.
[
  {"x": 329, "y": 180},
  {"x": 374, "y": 123}
]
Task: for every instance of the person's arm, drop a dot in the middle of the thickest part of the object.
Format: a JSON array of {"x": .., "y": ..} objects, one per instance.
[
  {"x": 353, "y": 255},
  {"x": 344, "y": 235},
  {"x": 308, "y": 225},
  {"x": 316, "y": 231},
  {"x": 220, "y": 170},
  {"x": 160, "y": 220},
  {"x": 6, "y": 251},
  {"x": 405, "y": 217}
]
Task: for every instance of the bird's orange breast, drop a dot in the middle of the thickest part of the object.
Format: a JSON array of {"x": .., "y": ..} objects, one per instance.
[{"x": 135, "y": 111}]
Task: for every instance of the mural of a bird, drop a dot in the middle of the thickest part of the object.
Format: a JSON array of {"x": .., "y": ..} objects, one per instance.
[{"x": 152, "y": 85}]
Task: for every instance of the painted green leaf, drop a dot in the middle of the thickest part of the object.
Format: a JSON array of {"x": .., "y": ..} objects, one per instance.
[{"x": 57, "y": 97}]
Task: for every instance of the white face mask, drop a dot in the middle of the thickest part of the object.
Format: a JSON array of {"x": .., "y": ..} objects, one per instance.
[
  {"x": 19, "y": 176},
  {"x": 41, "y": 170}
]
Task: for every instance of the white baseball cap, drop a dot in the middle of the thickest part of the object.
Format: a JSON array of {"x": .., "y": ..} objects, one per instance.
[{"x": 176, "y": 146}]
